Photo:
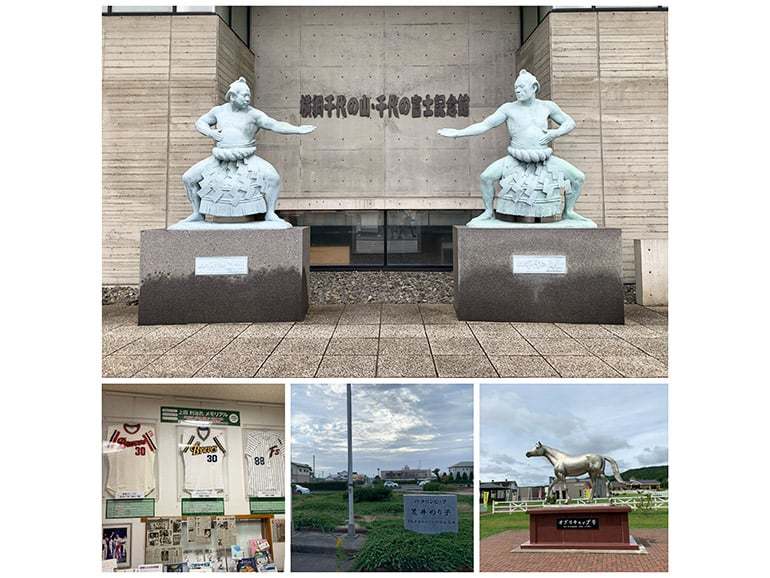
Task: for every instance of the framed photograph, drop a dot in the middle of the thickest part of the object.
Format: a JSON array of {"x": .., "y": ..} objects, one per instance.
[{"x": 116, "y": 544}]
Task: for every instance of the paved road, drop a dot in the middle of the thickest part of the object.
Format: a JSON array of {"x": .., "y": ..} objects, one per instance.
[{"x": 303, "y": 562}]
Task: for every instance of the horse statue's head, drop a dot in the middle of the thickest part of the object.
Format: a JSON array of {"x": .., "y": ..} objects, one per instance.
[{"x": 538, "y": 450}]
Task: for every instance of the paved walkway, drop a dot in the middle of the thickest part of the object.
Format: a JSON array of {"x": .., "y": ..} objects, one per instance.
[
  {"x": 496, "y": 555},
  {"x": 385, "y": 340}
]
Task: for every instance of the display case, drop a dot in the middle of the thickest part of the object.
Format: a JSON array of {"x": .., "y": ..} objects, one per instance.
[
  {"x": 264, "y": 462},
  {"x": 202, "y": 462},
  {"x": 130, "y": 450},
  {"x": 210, "y": 543}
]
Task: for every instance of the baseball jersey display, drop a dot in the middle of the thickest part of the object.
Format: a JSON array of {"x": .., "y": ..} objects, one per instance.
[
  {"x": 264, "y": 463},
  {"x": 203, "y": 450},
  {"x": 131, "y": 458}
]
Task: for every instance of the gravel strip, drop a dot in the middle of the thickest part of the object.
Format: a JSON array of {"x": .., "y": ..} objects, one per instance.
[
  {"x": 381, "y": 287},
  {"x": 361, "y": 287}
]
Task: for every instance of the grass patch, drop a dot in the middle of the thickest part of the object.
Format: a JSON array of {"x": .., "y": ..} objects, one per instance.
[
  {"x": 388, "y": 546},
  {"x": 491, "y": 524}
]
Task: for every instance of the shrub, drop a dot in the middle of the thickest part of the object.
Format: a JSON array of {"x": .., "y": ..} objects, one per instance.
[
  {"x": 370, "y": 494},
  {"x": 314, "y": 520},
  {"x": 433, "y": 487},
  {"x": 388, "y": 547}
]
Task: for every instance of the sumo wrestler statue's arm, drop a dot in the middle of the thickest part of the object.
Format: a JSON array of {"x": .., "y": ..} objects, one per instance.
[
  {"x": 566, "y": 123},
  {"x": 268, "y": 123},
  {"x": 205, "y": 125},
  {"x": 495, "y": 119}
]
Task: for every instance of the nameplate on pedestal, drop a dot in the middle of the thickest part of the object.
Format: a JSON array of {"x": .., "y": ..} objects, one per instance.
[
  {"x": 222, "y": 265},
  {"x": 577, "y": 523},
  {"x": 539, "y": 264}
]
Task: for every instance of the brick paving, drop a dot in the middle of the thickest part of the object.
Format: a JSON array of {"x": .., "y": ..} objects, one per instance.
[
  {"x": 496, "y": 555},
  {"x": 385, "y": 340}
]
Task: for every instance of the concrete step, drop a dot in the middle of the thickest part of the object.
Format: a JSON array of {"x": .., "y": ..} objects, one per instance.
[{"x": 325, "y": 542}]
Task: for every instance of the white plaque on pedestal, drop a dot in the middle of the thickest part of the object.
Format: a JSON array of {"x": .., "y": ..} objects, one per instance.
[
  {"x": 133, "y": 495},
  {"x": 539, "y": 264},
  {"x": 222, "y": 265},
  {"x": 204, "y": 493}
]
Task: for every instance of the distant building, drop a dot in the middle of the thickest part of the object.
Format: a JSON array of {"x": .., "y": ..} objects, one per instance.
[
  {"x": 505, "y": 491},
  {"x": 343, "y": 477},
  {"x": 461, "y": 468},
  {"x": 648, "y": 485},
  {"x": 578, "y": 488},
  {"x": 406, "y": 473},
  {"x": 300, "y": 473},
  {"x": 530, "y": 493}
]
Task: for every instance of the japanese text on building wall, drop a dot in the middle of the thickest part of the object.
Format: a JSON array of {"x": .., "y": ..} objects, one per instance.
[{"x": 437, "y": 105}]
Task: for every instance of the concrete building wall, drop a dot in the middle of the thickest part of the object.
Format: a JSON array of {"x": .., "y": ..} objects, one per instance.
[
  {"x": 609, "y": 71},
  {"x": 159, "y": 74},
  {"x": 365, "y": 163}
]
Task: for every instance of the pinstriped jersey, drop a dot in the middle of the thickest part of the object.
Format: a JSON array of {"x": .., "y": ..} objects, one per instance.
[
  {"x": 131, "y": 458},
  {"x": 264, "y": 464},
  {"x": 203, "y": 450}
]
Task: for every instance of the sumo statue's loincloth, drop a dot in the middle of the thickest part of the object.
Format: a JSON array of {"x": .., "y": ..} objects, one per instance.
[
  {"x": 233, "y": 183},
  {"x": 532, "y": 185}
]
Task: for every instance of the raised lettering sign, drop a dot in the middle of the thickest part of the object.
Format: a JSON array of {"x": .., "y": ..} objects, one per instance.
[
  {"x": 431, "y": 513},
  {"x": 539, "y": 264},
  {"x": 221, "y": 265}
]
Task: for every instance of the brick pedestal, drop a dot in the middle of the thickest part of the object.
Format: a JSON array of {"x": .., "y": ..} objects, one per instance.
[{"x": 580, "y": 528}]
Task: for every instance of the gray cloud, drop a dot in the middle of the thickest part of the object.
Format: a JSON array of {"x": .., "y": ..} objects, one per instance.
[
  {"x": 626, "y": 422},
  {"x": 419, "y": 425},
  {"x": 654, "y": 456}
]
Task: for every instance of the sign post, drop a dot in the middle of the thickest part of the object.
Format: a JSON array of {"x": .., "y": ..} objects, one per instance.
[
  {"x": 431, "y": 513},
  {"x": 351, "y": 522}
]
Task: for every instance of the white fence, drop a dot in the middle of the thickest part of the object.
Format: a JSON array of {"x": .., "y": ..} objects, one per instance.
[{"x": 648, "y": 501}]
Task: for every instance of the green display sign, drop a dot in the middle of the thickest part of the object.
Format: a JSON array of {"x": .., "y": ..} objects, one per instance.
[
  {"x": 197, "y": 414},
  {"x": 140, "y": 508},
  {"x": 267, "y": 505},
  {"x": 203, "y": 506}
]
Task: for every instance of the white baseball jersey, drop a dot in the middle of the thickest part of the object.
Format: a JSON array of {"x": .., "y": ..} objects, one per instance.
[
  {"x": 203, "y": 450},
  {"x": 264, "y": 463},
  {"x": 131, "y": 458}
]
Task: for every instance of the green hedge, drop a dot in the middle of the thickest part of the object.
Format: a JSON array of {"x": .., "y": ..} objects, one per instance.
[
  {"x": 370, "y": 494},
  {"x": 326, "y": 486}
]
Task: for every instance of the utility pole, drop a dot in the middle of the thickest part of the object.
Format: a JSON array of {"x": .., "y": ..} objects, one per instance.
[
  {"x": 351, "y": 522},
  {"x": 314, "y": 476}
]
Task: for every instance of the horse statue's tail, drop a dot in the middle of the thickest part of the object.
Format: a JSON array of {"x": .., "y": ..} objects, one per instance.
[{"x": 615, "y": 470}]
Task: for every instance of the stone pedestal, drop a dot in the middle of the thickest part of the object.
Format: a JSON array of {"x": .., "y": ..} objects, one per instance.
[
  {"x": 580, "y": 528},
  {"x": 538, "y": 275},
  {"x": 224, "y": 276}
]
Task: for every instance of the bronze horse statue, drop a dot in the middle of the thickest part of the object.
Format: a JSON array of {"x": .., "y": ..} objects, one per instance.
[{"x": 565, "y": 465}]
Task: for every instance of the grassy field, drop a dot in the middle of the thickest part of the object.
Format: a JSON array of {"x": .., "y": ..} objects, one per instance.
[
  {"x": 491, "y": 524},
  {"x": 388, "y": 546}
]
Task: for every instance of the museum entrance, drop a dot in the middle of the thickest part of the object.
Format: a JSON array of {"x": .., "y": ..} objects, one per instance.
[{"x": 403, "y": 239}]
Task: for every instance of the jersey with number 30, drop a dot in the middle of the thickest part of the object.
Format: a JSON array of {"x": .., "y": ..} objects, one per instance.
[
  {"x": 203, "y": 450},
  {"x": 264, "y": 464},
  {"x": 131, "y": 458}
]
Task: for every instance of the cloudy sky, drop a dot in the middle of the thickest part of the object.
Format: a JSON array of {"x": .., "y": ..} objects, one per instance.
[
  {"x": 428, "y": 426},
  {"x": 627, "y": 422}
]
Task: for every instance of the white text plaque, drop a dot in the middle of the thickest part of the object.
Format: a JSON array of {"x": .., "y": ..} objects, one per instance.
[
  {"x": 221, "y": 265},
  {"x": 540, "y": 264}
]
